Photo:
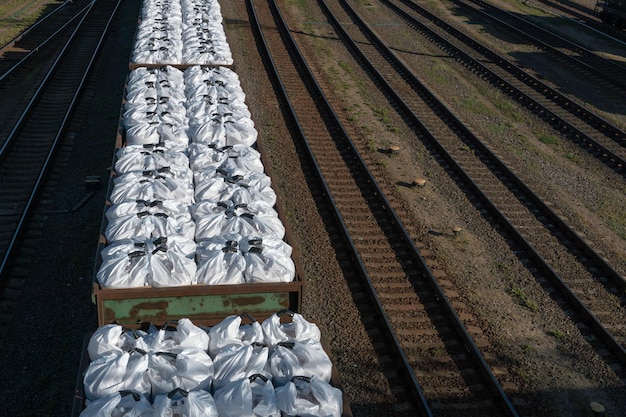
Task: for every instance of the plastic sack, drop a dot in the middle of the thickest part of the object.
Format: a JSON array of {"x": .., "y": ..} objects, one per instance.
[
  {"x": 267, "y": 260},
  {"x": 231, "y": 334},
  {"x": 287, "y": 326},
  {"x": 181, "y": 403},
  {"x": 228, "y": 158},
  {"x": 189, "y": 369},
  {"x": 238, "y": 185},
  {"x": 224, "y": 130},
  {"x": 148, "y": 157},
  {"x": 148, "y": 372},
  {"x": 226, "y": 218},
  {"x": 290, "y": 359},
  {"x": 113, "y": 338},
  {"x": 309, "y": 397},
  {"x": 170, "y": 137},
  {"x": 219, "y": 261},
  {"x": 196, "y": 75},
  {"x": 154, "y": 111},
  {"x": 202, "y": 110},
  {"x": 116, "y": 372},
  {"x": 159, "y": 263},
  {"x": 151, "y": 185},
  {"x": 177, "y": 336},
  {"x": 239, "y": 362},
  {"x": 249, "y": 397},
  {"x": 214, "y": 86},
  {"x": 149, "y": 220},
  {"x": 119, "y": 404}
]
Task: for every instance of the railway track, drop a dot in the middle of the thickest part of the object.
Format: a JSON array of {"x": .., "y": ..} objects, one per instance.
[
  {"x": 28, "y": 149},
  {"x": 612, "y": 74},
  {"x": 590, "y": 131},
  {"x": 431, "y": 338},
  {"x": 562, "y": 260},
  {"x": 575, "y": 276},
  {"x": 582, "y": 12},
  {"x": 27, "y": 59}
]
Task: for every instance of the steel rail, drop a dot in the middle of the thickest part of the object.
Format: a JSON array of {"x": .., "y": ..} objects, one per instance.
[
  {"x": 34, "y": 26},
  {"x": 615, "y": 347},
  {"x": 419, "y": 395},
  {"x": 42, "y": 44},
  {"x": 458, "y": 324},
  {"x": 48, "y": 160},
  {"x": 599, "y": 67},
  {"x": 593, "y": 120},
  {"x": 44, "y": 83},
  {"x": 615, "y": 276}
]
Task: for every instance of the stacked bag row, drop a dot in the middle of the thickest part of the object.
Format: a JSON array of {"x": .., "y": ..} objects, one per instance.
[
  {"x": 190, "y": 202},
  {"x": 181, "y": 32},
  {"x": 232, "y": 369}
]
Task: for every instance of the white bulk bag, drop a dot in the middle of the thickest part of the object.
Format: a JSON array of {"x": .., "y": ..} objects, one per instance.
[
  {"x": 219, "y": 261},
  {"x": 295, "y": 328},
  {"x": 200, "y": 50},
  {"x": 148, "y": 157},
  {"x": 150, "y": 51},
  {"x": 197, "y": 74},
  {"x": 309, "y": 397},
  {"x": 147, "y": 224},
  {"x": 181, "y": 403},
  {"x": 189, "y": 369},
  {"x": 160, "y": 262},
  {"x": 215, "y": 91},
  {"x": 222, "y": 130},
  {"x": 226, "y": 218},
  {"x": 204, "y": 157},
  {"x": 173, "y": 264},
  {"x": 201, "y": 110},
  {"x": 135, "y": 185},
  {"x": 240, "y": 362},
  {"x": 249, "y": 397},
  {"x": 210, "y": 219},
  {"x": 113, "y": 338},
  {"x": 139, "y": 115},
  {"x": 240, "y": 186},
  {"x": 116, "y": 372},
  {"x": 119, "y": 404},
  {"x": 268, "y": 260},
  {"x": 185, "y": 335},
  {"x": 124, "y": 265},
  {"x": 289, "y": 359},
  {"x": 230, "y": 333}
]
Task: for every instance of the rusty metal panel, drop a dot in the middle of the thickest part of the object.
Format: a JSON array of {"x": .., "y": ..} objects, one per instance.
[
  {"x": 203, "y": 304},
  {"x": 203, "y": 309}
]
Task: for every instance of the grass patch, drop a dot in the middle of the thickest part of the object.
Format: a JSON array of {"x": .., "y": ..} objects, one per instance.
[
  {"x": 557, "y": 334},
  {"x": 550, "y": 140},
  {"x": 522, "y": 299},
  {"x": 440, "y": 74},
  {"x": 475, "y": 105},
  {"x": 499, "y": 128},
  {"x": 301, "y": 4},
  {"x": 614, "y": 215}
]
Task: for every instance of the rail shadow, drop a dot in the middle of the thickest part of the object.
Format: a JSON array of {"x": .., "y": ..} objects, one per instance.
[{"x": 558, "y": 72}]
